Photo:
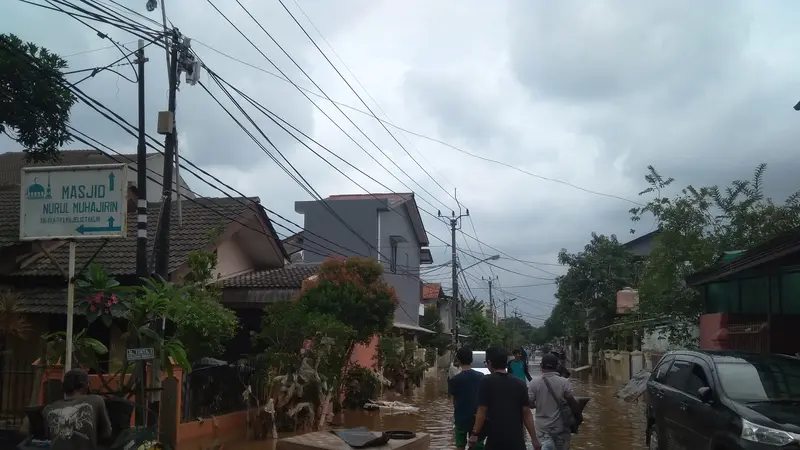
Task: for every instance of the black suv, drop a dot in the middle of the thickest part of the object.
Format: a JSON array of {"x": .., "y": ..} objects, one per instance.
[{"x": 723, "y": 400}]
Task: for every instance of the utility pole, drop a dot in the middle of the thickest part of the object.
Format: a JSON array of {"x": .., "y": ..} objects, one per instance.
[
  {"x": 453, "y": 228},
  {"x": 141, "y": 174},
  {"x": 491, "y": 280},
  {"x": 142, "y": 270},
  {"x": 166, "y": 125},
  {"x": 505, "y": 307}
]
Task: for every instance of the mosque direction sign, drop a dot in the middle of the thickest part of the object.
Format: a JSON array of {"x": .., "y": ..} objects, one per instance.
[{"x": 73, "y": 202}]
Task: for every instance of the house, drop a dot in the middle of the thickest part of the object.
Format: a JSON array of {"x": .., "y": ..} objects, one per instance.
[
  {"x": 433, "y": 294},
  {"x": 751, "y": 299},
  {"x": 642, "y": 245},
  {"x": 11, "y": 164},
  {"x": 250, "y": 292},
  {"x": 387, "y": 227},
  {"x": 237, "y": 229},
  {"x": 628, "y": 302}
]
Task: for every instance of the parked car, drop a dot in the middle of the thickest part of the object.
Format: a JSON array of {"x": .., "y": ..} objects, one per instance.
[
  {"x": 723, "y": 400},
  {"x": 479, "y": 362}
]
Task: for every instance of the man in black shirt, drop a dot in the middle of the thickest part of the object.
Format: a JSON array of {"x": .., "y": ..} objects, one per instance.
[{"x": 504, "y": 411}]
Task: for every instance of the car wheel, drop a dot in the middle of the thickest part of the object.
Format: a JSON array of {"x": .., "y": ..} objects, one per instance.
[{"x": 655, "y": 443}]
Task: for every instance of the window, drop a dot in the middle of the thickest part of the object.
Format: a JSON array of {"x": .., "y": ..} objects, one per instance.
[
  {"x": 393, "y": 258},
  {"x": 662, "y": 368},
  {"x": 761, "y": 379},
  {"x": 676, "y": 377},
  {"x": 697, "y": 379}
]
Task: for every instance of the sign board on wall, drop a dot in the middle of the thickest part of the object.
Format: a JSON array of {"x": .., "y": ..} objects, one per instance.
[
  {"x": 140, "y": 354},
  {"x": 73, "y": 202}
]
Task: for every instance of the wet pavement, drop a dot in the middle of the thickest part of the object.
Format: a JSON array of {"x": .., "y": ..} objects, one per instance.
[{"x": 609, "y": 423}]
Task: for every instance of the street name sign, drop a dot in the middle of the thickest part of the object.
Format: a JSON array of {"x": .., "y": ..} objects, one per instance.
[
  {"x": 140, "y": 354},
  {"x": 73, "y": 202}
]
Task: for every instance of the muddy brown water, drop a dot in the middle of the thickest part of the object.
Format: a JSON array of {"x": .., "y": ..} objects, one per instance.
[{"x": 609, "y": 423}]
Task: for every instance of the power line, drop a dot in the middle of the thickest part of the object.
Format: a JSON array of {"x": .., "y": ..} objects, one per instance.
[
  {"x": 88, "y": 100},
  {"x": 366, "y": 91},
  {"x": 316, "y": 105},
  {"x": 418, "y": 134},
  {"x": 522, "y": 286},
  {"x": 358, "y": 96},
  {"x": 105, "y": 20}
]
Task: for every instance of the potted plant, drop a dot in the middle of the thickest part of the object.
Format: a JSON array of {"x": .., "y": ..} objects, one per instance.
[{"x": 135, "y": 310}]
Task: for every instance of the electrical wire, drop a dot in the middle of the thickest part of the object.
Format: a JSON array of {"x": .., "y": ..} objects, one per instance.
[
  {"x": 280, "y": 122},
  {"x": 105, "y": 20},
  {"x": 357, "y": 96},
  {"x": 415, "y": 133},
  {"x": 88, "y": 100},
  {"x": 319, "y": 108}
]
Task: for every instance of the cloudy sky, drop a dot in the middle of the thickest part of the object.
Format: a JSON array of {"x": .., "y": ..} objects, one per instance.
[{"x": 584, "y": 92}]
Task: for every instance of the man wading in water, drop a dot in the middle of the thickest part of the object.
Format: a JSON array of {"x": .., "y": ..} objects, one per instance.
[
  {"x": 463, "y": 388},
  {"x": 548, "y": 394},
  {"x": 519, "y": 367},
  {"x": 503, "y": 408}
]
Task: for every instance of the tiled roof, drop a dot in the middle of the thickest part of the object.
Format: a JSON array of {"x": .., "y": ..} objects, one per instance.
[
  {"x": 431, "y": 290},
  {"x": 780, "y": 246},
  {"x": 118, "y": 256},
  {"x": 9, "y": 216},
  {"x": 43, "y": 301},
  {"x": 11, "y": 163},
  {"x": 394, "y": 199},
  {"x": 291, "y": 276},
  {"x": 48, "y": 301}
]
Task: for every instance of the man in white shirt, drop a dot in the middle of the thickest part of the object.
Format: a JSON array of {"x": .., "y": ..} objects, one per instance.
[{"x": 547, "y": 394}]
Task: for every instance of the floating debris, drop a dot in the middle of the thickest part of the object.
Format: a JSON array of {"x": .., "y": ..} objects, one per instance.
[
  {"x": 390, "y": 407},
  {"x": 634, "y": 388}
]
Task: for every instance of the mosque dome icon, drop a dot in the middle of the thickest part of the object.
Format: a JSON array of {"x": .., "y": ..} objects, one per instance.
[{"x": 36, "y": 191}]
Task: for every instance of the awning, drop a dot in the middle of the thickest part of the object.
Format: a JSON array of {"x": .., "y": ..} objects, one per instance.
[{"x": 403, "y": 326}]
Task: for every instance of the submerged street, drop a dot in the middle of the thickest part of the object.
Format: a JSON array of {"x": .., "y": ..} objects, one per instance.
[{"x": 608, "y": 421}]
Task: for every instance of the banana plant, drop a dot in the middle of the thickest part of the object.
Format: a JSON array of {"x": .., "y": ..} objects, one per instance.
[{"x": 85, "y": 350}]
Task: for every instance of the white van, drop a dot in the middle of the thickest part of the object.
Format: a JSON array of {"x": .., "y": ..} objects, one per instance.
[{"x": 479, "y": 362}]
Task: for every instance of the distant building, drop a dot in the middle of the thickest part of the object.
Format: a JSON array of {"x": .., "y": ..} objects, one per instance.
[
  {"x": 387, "y": 227},
  {"x": 642, "y": 245}
]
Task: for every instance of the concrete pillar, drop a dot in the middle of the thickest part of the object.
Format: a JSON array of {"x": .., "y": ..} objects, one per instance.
[
  {"x": 637, "y": 362},
  {"x": 625, "y": 366}
]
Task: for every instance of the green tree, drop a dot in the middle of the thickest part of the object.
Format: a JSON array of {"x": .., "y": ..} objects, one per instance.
[
  {"x": 469, "y": 307},
  {"x": 481, "y": 332},
  {"x": 697, "y": 226},
  {"x": 354, "y": 292},
  {"x": 586, "y": 294},
  {"x": 439, "y": 340},
  {"x": 34, "y": 98},
  {"x": 537, "y": 336},
  {"x": 202, "y": 322},
  {"x": 286, "y": 326}
]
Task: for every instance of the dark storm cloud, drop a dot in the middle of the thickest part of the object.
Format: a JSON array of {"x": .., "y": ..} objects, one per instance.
[
  {"x": 611, "y": 49},
  {"x": 210, "y": 135}
]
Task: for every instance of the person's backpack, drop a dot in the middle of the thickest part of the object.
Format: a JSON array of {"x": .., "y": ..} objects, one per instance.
[{"x": 570, "y": 420}]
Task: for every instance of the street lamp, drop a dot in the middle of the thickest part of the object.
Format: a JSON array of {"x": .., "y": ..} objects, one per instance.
[{"x": 491, "y": 258}]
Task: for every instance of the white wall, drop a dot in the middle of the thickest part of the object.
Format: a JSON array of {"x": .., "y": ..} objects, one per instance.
[
  {"x": 231, "y": 259},
  {"x": 155, "y": 170},
  {"x": 657, "y": 340}
]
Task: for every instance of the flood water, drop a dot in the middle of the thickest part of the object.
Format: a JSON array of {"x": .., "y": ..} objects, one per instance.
[{"x": 609, "y": 423}]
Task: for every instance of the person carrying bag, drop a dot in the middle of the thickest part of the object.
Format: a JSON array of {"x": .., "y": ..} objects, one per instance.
[{"x": 551, "y": 396}]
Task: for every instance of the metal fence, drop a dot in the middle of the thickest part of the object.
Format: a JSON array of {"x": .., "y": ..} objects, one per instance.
[
  {"x": 17, "y": 378},
  {"x": 215, "y": 387}
]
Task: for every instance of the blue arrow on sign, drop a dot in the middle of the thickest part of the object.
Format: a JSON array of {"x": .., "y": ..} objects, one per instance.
[
  {"x": 111, "y": 181},
  {"x": 84, "y": 229}
]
